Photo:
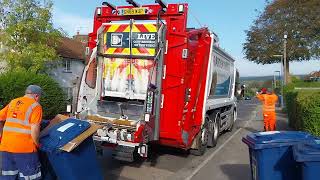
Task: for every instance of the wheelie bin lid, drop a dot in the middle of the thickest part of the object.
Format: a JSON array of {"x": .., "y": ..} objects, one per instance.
[
  {"x": 271, "y": 139},
  {"x": 62, "y": 133},
  {"x": 307, "y": 152}
]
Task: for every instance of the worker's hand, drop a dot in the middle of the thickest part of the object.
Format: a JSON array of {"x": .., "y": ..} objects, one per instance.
[{"x": 38, "y": 146}]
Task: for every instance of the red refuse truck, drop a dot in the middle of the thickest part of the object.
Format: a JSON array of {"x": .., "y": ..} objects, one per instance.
[{"x": 151, "y": 80}]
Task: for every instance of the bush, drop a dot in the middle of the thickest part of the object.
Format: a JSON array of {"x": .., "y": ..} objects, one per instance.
[
  {"x": 290, "y": 99},
  {"x": 308, "y": 111},
  {"x": 303, "y": 108},
  {"x": 13, "y": 85}
]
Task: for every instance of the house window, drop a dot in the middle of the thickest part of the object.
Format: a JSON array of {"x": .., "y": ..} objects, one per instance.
[{"x": 67, "y": 65}]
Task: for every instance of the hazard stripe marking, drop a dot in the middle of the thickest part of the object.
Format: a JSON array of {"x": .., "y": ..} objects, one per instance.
[
  {"x": 142, "y": 28},
  {"x": 113, "y": 28},
  {"x": 111, "y": 50},
  {"x": 136, "y": 28},
  {"x": 151, "y": 27}
]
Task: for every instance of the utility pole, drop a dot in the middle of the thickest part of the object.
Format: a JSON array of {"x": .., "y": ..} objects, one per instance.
[
  {"x": 282, "y": 82},
  {"x": 286, "y": 73}
]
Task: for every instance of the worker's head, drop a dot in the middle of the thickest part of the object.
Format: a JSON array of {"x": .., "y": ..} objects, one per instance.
[
  {"x": 269, "y": 91},
  {"x": 34, "y": 91},
  {"x": 264, "y": 90}
]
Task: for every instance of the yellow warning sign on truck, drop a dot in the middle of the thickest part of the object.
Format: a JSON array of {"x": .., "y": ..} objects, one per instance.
[
  {"x": 117, "y": 39},
  {"x": 135, "y": 39},
  {"x": 144, "y": 39}
]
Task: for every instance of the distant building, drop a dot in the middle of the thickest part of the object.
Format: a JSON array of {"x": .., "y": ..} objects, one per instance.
[
  {"x": 314, "y": 76},
  {"x": 82, "y": 38},
  {"x": 68, "y": 71}
]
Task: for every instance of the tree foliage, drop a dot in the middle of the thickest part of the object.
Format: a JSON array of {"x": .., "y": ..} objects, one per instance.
[
  {"x": 27, "y": 34},
  {"x": 299, "y": 18},
  {"x": 14, "y": 83}
]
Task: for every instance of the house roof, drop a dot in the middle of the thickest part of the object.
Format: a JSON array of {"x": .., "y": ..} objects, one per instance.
[
  {"x": 81, "y": 37},
  {"x": 72, "y": 49},
  {"x": 315, "y": 74}
]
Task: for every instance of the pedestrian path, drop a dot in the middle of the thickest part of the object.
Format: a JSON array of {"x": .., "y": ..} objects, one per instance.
[{"x": 232, "y": 161}]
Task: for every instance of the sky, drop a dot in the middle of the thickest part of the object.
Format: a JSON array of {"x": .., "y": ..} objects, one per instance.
[{"x": 229, "y": 19}]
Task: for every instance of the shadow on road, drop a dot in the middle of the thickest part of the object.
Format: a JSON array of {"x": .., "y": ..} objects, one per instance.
[
  {"x": 158, "y": 151},
  {"x": 113, "y": 169},
  {"x": 253, "y": 130},
  {"x": 236, "y": 171}
]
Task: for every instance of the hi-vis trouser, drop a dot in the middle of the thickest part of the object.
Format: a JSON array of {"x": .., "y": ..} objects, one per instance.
[
  {"x": 24, "y": 166},
  {"x": 269, "y": 119}
]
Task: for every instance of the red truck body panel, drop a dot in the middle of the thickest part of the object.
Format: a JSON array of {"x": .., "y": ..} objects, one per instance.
[{"x": 184, "y": 81}]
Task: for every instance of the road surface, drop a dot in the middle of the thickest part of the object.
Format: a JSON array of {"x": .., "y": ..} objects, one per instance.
[{"x": 168, "y": 163}]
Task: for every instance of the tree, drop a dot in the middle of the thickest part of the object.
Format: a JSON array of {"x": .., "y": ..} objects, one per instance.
[
  {"x": 14, "y": 83},
  {"x": 298, "y": 18},
  {"x": 27, "y": 34}
]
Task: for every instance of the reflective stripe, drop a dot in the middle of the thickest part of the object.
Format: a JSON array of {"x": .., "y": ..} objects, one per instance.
[
  {"x": 27, "y": 115},
  {"x": 269, "y": 108},
  {"x": 24, "y": 122},
  {"x": 18, "y": 121},
  {"x": 29, "y": 111},
  {"x": 31, "y": 177},
  {"x": 9, "y": 173},
  {"x": 17, "y": 130}
]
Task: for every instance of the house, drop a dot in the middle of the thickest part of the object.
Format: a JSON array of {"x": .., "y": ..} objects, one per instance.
[
  {"x": 82, "y": 38},
  {"x": 68, "y": 71},
  {"x": 314, "y": 76}
]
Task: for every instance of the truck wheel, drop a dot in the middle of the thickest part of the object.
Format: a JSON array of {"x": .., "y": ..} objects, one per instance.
[
  {"x": 214, "y": 129},
  {"x": 202, "y": 140},
  {"x": 232, "y": 120}
]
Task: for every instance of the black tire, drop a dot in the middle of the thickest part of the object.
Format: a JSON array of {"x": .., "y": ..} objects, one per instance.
[
  {"x": 232, "y": 121},
  {"x": 202, "y": 140},
  {"x": 214, "y": 129}
]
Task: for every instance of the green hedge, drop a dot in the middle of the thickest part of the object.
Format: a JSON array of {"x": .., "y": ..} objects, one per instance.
[
  {"x": 13, "y": 85},
  {"x": 303, "y": 107}
]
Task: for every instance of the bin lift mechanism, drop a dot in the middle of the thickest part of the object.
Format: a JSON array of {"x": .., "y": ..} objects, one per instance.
[{"x": 153, "y": 90}]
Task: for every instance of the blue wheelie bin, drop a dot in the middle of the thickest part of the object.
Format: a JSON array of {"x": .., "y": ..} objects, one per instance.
[
  {"x": 271, "y": 155},
  {"x": 308, "y": 155},
  {"x": 79, "y": 164}
]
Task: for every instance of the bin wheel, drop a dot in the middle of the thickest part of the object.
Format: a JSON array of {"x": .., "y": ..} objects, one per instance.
[
  {"x": 202, "y": 140},
  {"x": 214, "y": 129}
]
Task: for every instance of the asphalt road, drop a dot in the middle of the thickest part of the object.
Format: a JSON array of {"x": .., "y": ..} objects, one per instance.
[{"x": 168, "y": 163}]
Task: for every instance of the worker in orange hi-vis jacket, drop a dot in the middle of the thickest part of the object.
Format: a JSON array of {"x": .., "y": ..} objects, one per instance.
[
  {"x": 20, "y": 124},
  {"x": 269, "y": 100}
]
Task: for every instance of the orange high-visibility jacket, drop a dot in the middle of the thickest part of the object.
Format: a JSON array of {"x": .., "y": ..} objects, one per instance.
[
  {"x": 18, "y": 115},
  {"x": 269, "y": 101}
]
